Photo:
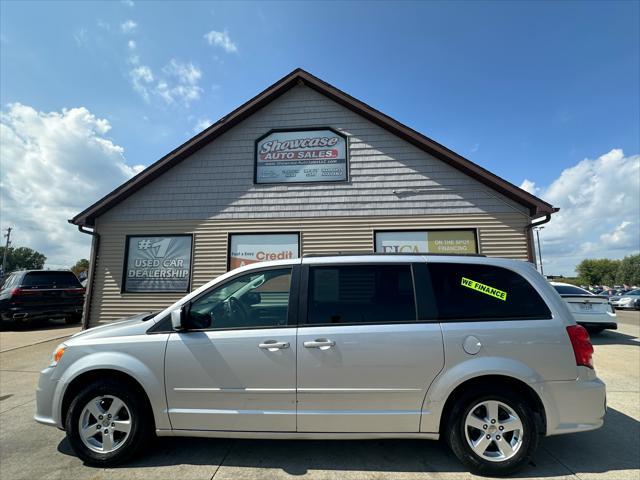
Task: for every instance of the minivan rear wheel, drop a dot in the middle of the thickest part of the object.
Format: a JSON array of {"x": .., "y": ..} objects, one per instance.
[
  {"x": 493, "y": 433},
  {"x": 107, "y": 423}
]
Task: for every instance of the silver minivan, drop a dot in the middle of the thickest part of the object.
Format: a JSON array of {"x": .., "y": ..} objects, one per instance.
[{"x": 481, "y": 352}]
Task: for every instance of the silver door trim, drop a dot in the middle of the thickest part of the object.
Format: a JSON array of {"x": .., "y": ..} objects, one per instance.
[
  {"x": 358, "y": 390},
  {"x": 234, "y": 390}
]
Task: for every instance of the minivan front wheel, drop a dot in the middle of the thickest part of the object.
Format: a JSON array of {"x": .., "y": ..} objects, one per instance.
[
  {"x": 107, "y": 423},
  {"x": 493, "y": 434}
]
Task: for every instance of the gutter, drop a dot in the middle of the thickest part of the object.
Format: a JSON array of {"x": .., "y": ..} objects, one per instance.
[
  {"x": 528, "y": 229},
  {"x": 95, "y": 245}
]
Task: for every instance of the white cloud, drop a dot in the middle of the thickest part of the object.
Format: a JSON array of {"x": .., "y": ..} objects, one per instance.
[
  {"x": 178, "y": 82},
  {"x": 128, "y": 27},
  {"x": 529, "y": 186},
  {"x": 142, "y": 78},
  {"x": 222, "y": 40},
  {"x": 186, "y": 73},
  {"x": 599, "y": 215},
  {"x": 53, "y": 166},
  {"x": 131, "y": 44},
  {"x": 202, "y": 124},
  {"x": 80, "y": 36},
  {"x": 128, "y": 3}
]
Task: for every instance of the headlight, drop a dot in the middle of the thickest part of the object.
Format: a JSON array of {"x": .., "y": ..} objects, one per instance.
[{"x": 57, "y": 354}]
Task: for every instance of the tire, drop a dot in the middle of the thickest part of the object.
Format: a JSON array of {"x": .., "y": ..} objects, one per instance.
[
  {"x": 125, "y": 445},
  {"x": 72, "y": 319},
  {"x": 525, "y": 441},
  {"x": 594, "y": 330}
]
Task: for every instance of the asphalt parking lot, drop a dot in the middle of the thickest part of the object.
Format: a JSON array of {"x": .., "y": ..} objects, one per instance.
[{"x": 29, "y": 450}]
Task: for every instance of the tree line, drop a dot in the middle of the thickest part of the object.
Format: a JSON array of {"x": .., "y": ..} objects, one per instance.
[
  {"x": 25, "y": 258},
  {"x": 604, "y": 271}
]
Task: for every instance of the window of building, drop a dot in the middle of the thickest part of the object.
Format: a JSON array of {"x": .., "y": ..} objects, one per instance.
[
  {"x": 361, "y": 294},
  {"x": 472, "y": 292},
  {"x": 254, "y": 300}
]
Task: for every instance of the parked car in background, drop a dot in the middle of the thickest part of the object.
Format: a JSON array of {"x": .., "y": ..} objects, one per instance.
[
  {"x": 478, "y": 351},
  {"x": 594, "y": 312},
  {"x": 31, "y": 295},
  {"x": 630, "y": 300}
]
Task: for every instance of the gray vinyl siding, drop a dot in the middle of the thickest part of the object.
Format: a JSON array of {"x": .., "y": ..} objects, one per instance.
[
  {"x": 499, "y": 235},
  {"x": 392, "y": 185},
  {"x": 388, "y": 176}
]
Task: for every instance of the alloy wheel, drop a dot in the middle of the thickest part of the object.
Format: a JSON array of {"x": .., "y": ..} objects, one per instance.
[
  {"x": 105, "y": 424},
  {"x": 493, "y": 431}
]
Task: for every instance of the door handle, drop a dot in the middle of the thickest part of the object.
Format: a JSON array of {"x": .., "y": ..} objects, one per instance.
[
  {"x": 273, "y": 345},
  {"x": 321, "y": 343}
]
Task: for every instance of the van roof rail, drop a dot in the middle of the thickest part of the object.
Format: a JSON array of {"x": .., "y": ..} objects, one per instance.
[{"x": 360, "y": 254}]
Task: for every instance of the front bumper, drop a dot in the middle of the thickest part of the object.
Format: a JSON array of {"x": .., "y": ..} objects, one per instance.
[
  {"x": 576, "y": 405},
  {"x": 45, "y": 399}
]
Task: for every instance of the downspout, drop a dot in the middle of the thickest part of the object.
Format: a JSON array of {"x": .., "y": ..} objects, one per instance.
[
  {"x": 529, "y": 235},
  {"x": 95, "y": 245}
]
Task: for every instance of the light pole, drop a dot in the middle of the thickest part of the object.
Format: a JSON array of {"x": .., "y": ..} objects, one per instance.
[
  {"x": 6, "y": 250},
  {"x": 539, "y": 249}
]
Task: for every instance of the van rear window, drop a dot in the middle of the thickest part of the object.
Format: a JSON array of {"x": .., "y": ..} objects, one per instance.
[
  {"x": 48, "y": 279},
  {"x": 472, "y": 292}
]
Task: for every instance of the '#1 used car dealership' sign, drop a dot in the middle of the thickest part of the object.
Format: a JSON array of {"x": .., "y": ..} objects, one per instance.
[
  {"x": 301, "y": 156},
  {"x": 157, "y": 264}
]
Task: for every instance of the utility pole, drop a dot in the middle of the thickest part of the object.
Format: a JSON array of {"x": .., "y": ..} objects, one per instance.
[
  {"x": 6, "y": 249},
  {"x": 539, "y": 249}
]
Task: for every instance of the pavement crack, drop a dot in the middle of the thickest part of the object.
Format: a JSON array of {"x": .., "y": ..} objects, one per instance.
[
  {"x": 231, "y": 445},
  {"x": 19, "y": 371},
  {"x": 561, "y": 462},
  {"x": 17, "y": 406}
]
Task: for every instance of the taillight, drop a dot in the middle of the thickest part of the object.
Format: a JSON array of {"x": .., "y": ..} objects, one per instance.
[
  {"x": 581, "y": 343},
  {"x": 21, "y": 292},
  {"x": 74, "y": 290}
]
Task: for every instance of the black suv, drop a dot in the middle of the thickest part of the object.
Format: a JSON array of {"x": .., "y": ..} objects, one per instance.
[{"x": 40, "y": 295}]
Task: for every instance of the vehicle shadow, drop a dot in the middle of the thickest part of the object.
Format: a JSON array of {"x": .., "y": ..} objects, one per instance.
[
  {"x": 612, "y": 337},
  {"x": 608, "y": 450}
]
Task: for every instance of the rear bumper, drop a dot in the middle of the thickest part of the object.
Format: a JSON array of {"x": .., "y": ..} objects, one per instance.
[
  {"x": 607, "y": 325},
  {"x": 44, "y": 312},
  {"x": 576, "y": 405}
]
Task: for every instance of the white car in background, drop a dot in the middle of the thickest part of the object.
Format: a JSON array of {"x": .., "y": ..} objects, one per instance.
[
  {"x": 593, "y": 312},
  {"x": 628, "y": 300}
]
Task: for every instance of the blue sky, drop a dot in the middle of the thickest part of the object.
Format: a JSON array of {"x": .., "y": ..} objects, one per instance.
[{"x": 525, "y": 89}]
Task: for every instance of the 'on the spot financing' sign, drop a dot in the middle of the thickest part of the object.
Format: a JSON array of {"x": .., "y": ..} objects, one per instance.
[
  {"x": 427, "y": 241},
  {"x": 301, "y": 156},
  {"x": 157, "y": 264}
]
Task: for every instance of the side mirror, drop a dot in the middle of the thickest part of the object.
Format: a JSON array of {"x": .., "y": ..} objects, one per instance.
[{"x": 176, "y": 319}]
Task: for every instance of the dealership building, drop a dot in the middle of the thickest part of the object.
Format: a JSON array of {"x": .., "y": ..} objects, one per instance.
[{"x": 300, "y": 168}]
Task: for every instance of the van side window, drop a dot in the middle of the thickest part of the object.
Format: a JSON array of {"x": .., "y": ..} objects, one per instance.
[
  {"x": 473, "y": 292},
  {"x": 360, "y": 294},
  {"x": 255, "y": 300}
]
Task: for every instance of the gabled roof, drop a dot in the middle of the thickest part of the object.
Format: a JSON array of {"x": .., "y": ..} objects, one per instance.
[{"x": 536, "y": 206}]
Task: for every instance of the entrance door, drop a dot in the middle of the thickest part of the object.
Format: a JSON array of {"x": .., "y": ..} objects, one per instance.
[
  {"x": 364, "y": 362},
  {"x": 236, "y": 370}
]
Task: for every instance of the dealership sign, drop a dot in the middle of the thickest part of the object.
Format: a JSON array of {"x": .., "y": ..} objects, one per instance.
[
  {"x": 301, "y": 156},
  {"x": 427, "y": 241},
  {"x": 157, "y": 264},
  {"x": 245, "y": 249}
]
